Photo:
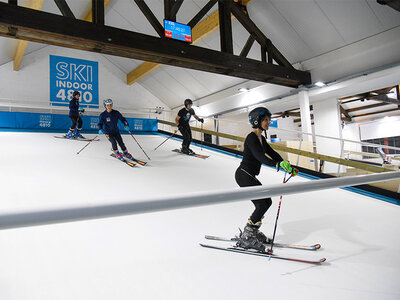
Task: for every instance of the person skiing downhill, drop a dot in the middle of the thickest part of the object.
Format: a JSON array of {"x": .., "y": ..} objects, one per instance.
[
  {"x": 255, "y": 148},
  {"x": 74, "y": 115},
  {"x": 182, "y": 121},
  {"x": 109, "y": 121}
]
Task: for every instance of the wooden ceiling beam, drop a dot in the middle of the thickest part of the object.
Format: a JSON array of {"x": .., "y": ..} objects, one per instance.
[
  {"x": 225, "y": 26},
  {"x": 64, "y": 8},
  {"x": 27, "y": 24},
  {"x": 206, "y": 8},
  {"x": 247, "y": 46},
  {"x": 98, "y": 12},
  {"x": 150, "y": 17},
  {"x": 366, "y": 107},
  {"x": 89, "y": 16},
  {"x": 252, "y": 28},
  {"x": 199, "y": 31},
  {"x": 345, "y": 113},
  {"x": 22, "y": 45},
  {"x": 37, "y": 5},
  {"x": 174, "y": 9},
  {"x": 376, "y": 112}
]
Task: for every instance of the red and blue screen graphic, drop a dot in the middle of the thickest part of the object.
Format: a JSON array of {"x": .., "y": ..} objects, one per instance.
[{"x": 177, "y": 31}]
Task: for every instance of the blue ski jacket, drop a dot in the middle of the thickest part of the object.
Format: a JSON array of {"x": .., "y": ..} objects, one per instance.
[{"x": 108, "y": 121}]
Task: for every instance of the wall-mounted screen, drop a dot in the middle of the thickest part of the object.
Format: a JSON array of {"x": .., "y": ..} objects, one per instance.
[{"x": 177, "y": 31}]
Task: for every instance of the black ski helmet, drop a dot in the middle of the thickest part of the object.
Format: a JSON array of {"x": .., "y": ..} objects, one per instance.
[
  {"x": 188, "y": 102},
  {"x": 75, "y": 93},
  {"x": 107, "y": 101},
  {"x": 257, "y": 115}
]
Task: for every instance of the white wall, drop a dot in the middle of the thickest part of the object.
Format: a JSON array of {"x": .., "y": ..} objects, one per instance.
[
  {"x": 31, "y": 84},
  {"x": 351, "y": 132},
  {"x": 385, "y": 127},
  {"x": 288, "y": 124},
  {"x": 327, "y": 122}
]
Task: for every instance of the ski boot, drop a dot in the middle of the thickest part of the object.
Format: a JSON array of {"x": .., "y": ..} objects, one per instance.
[
  {"x": 260, "y": 236},
  {"x": 78, "y": 134},
  {"x": 185, "y": 150},
  {"x": 70, "y": 134},
  {"x": 191, "y": 152},
  {"x": 127, "y": 154},
  {"x": 118, "y": 155},
  {"x": 248, "y": 239}
]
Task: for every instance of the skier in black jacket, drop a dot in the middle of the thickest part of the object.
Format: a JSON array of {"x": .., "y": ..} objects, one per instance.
[
  {"x": 255, "y": 148},
  {"x": 182, "y": 121},
  {"x": 74, "y": 115}
]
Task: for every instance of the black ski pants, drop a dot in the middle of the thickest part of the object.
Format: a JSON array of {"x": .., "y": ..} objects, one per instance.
[
  {"x": 74, "y": 120},
  {"x": 116, "y": 138},
  {"x": 187, "y": 136},
  {"x": 243, "y": 178}
]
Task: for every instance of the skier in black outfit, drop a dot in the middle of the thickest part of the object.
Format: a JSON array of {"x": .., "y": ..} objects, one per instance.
[
  {"x": 109, "y": 119},
  {"x": 182, "y": 121},
  {"x": 255, "y": 148},
  {"x": 74, "y": 115}
]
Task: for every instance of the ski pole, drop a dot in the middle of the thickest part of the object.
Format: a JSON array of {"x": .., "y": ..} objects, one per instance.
[
  {"x": 295, "y": 171},
  {"x": 86, "y": 145},
  {"x": 202, "y": 136},
  {"x": 138, "y": 144},
  {"x": 166, "y": 139}
]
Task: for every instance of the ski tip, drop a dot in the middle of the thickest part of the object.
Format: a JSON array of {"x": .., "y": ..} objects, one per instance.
[
  {"x": 322, "y": 260},
  {"x": 317, "y": 246}
]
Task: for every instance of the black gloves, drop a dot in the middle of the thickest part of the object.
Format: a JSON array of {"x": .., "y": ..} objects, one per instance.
[{"x": 201, "y": 120}]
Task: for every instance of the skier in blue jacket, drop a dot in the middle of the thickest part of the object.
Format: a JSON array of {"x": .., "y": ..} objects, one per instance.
[
  {"x": 74, "y": 115},
  {"x": 108, "y": 124}
]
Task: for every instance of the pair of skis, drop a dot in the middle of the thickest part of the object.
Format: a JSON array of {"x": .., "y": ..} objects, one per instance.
[
  {"x": 130, "y": 162},
  {"x": 193, "y": 154},
  {"x": 75, "y": 139},
  {"x": 265, "y": 254}
]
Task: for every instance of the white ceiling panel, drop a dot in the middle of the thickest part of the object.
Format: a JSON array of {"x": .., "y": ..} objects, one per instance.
[
  {"x": 78, "y": 8},
  {"x": 388, "y": 16},
  {"x": 184, "y": 76},
  {"x": 332, "y": 38},
  {"x": 130, "y": 12},
  {"x": 166, "y": 93},
  {"x": 190, "y": 8},
  {"x": 32, "y": 47},
  {"x": 119, "y": 20},
  {"x": 282, "y": 34},
  {"x": 7, "y": 49},
  {"x": 346, "y": 16},
  {"x": 310, "y": 23},
  {"x": 124, "y": 64}
]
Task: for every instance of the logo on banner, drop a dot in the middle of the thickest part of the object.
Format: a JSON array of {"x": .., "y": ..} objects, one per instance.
[
  {"x": 138, "y": 125},
  {"x": 45, "y": 121},
  {"x": 94, "y": 122},
  {"x": 71, "y": 74}
]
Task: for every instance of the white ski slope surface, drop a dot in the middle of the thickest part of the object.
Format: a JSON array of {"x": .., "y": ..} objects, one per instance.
[{"x": 157, "y": 255}]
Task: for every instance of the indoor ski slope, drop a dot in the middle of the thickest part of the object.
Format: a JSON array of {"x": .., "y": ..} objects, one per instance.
[{"x": 157, "y": 255}]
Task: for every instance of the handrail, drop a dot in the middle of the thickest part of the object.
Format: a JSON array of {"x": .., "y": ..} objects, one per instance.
[
  {"x": 318, "y": 135},
  {"x": 341, "y": 161},
  {"x": 83, "y": 212}
]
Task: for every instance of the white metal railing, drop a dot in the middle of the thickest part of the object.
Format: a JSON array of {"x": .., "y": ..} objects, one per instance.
[
  {"x": 50, "y": 107},
  {"x": 86, "y": 212},
  {"x": 317, "y": 135}
]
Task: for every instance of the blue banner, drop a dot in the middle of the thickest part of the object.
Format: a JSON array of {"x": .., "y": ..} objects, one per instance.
[
  {"x": 22, "y": 120},
  {"x": 71, "y": 74}
]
